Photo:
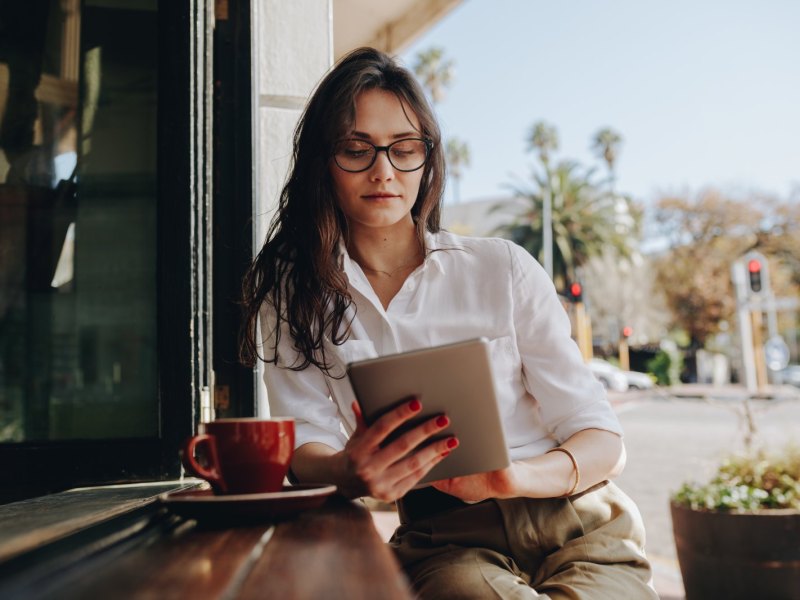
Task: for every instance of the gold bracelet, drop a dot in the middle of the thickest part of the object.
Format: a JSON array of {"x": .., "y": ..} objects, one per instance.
[{"x": 574, "y": 465}]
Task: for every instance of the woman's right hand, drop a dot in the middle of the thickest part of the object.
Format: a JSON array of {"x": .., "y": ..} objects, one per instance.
[{"x": 388, "y": 472}]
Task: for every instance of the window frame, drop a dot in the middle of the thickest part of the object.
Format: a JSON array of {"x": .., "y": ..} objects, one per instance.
[
  {"x": 233, "y": 206},
  {"x": 184, "y": 278}
]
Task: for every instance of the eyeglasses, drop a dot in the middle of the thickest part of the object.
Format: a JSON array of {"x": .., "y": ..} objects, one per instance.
[{"x": 355, "y": 156}]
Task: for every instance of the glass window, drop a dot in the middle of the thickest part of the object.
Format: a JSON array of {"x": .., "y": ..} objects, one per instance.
[{"x": 78, "y": 92}]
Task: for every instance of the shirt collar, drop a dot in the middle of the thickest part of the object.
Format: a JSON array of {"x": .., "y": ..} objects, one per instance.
[
  {"x": 434, "y": 258},
  {"x": 345, "y": 262}
]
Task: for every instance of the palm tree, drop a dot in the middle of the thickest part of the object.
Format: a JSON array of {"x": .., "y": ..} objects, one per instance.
[
  {"x": 543, "y": 139},
  {"x": 606, "y": 144},
  {"x": 584, "y": 220},
  {"x": 457, "y": 153},
  {"x": 434, "y": 71}
]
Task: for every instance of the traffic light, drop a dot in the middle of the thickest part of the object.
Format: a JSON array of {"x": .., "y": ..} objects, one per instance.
[
  {"x": 576, "y": 292},
  {"x": 627, "y": 331},
  {"x": 754, "y": 270}
]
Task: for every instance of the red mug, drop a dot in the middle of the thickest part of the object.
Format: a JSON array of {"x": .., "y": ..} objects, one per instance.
[{"x": 243, "y": 456}]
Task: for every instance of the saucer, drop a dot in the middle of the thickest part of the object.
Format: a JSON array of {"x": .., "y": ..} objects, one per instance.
[{"x": 204, "y": 505}]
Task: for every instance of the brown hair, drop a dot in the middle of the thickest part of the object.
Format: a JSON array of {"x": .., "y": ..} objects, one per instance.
[{"x": 296, "y": 270}]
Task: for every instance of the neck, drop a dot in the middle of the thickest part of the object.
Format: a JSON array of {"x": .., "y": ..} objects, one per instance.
[{"x": 386, "y": 251}]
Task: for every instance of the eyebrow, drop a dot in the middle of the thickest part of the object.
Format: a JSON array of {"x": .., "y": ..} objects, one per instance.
[{"x": 396, "y": 136}]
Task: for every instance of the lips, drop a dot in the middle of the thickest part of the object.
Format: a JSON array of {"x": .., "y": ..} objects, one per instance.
[{"x": 380, "y": 196}]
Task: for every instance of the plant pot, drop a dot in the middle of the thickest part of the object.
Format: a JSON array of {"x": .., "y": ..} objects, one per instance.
[{"x": 738, "y": 555}]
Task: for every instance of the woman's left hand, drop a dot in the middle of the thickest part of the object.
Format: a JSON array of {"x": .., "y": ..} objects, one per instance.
[{"x": 481, "y": 486}]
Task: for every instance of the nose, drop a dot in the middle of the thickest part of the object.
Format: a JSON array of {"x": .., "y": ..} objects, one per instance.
[{"x": 382, "y": 169}]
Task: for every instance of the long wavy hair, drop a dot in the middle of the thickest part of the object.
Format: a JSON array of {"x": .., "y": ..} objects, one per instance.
[{"x": 297, "y": 270}]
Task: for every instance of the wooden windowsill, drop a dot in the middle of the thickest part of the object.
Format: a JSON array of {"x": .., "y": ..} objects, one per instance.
[{"x": 31, "y": 524}]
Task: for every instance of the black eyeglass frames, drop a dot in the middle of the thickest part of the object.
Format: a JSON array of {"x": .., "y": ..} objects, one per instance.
[{"x": 355, "y": 156}]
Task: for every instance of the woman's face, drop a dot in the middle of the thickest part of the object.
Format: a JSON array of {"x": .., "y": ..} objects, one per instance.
[{"x": 381, "y": 196}]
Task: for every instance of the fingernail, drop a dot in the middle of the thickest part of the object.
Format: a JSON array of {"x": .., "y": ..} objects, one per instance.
[
  {"x": 445, "y": 453},
  {"x": 452, "y": 442},
  {"x": 415, "y": 405},
  {"x": 442, "y": 421}
]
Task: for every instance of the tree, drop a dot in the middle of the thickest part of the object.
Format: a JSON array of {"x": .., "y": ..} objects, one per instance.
[
  {"x": 585, "y": 220},
  {"x": 606, "y": 144},
  {"x": 707, "y": 234},
  {"x": 457, "y": 154},
  {"x": 781, "y": 238},
  {"x": 623, "y": 291},
  {"x": 434, "y": 71},
  {"x": 543, "y": 139}
]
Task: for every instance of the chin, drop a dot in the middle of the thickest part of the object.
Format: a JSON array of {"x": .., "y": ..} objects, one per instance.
[{"x": 384, "y": 219}]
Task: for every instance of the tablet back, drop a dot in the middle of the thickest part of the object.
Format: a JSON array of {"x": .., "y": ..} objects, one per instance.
[{"x": 456, "y": 380}]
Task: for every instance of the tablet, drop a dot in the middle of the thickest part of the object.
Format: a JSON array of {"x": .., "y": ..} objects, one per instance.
[{"x": 454, "y": 379}]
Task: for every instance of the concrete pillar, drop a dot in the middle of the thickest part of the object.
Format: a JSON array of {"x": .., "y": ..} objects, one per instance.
[{"x": 292, "y": 49}]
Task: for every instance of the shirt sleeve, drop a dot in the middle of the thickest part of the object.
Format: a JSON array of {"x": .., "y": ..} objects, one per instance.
[
  {"x": 303, "y": 395},
  {"x": 569, "y": 397}
]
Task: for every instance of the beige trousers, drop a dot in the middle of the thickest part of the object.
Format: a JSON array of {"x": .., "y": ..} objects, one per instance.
[{"x": 590, "y": 546}]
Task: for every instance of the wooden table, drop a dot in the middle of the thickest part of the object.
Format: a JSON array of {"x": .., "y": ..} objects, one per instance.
[{"x": 330, "y": 552}]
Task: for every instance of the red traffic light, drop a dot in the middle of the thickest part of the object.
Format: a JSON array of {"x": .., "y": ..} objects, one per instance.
[
  {"x": 627, "y": 331},
  {"x": 754, "y": 268}
]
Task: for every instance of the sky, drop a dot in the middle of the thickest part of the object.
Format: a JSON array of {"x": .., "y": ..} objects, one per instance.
[{"x": 704, "y": 93}]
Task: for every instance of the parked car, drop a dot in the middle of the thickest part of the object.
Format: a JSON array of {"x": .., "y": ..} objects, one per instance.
[
  {"x": 612, "y": 378},
  {"x": 617, "y": 380},
  {"x": 639, "y": 381}
]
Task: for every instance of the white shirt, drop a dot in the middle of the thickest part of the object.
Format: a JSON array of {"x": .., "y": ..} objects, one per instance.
[{"x": 466, "y": 288}]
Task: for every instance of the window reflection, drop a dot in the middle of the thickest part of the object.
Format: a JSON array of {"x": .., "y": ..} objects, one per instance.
[{"x": 77, "y": 219}]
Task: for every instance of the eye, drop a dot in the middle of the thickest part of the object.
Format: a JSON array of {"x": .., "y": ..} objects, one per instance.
[
  {"x": 353, "y": 149},
  {"x": 405, "y": 148}
]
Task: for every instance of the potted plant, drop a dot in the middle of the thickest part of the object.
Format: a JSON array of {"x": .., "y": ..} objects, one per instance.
[{"x": 738, "y": 535}]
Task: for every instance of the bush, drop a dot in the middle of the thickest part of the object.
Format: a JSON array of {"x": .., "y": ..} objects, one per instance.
[
  {"x": 659, "y": 366},
  {"x": 747, "y": 483}
]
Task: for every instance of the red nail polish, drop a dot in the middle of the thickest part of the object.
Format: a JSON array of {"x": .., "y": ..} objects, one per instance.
[
  {"x": 445, "y": 453},
  {"x": 415, "y": 405},
  {"x": 442, "y": 421},
  {"x": 452, "y": 443}
]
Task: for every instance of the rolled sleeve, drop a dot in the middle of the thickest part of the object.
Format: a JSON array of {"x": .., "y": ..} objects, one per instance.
[{"x": 569, "y": 398}]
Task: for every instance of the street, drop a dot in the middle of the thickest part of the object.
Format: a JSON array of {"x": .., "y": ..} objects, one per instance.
[{"x": 670, "y": 440}]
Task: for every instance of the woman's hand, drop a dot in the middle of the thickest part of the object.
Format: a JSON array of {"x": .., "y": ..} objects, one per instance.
[
  {"x": 388, "y": 472},
  {"x": 502, "y": 483},
  {"x": 599, "y": 454}
]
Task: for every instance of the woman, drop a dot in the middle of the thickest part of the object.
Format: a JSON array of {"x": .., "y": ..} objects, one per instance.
[{"x": 355, "y": 266}]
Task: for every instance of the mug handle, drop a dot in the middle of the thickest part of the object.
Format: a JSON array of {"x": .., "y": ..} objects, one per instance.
[{"x": 211, "y": 474}]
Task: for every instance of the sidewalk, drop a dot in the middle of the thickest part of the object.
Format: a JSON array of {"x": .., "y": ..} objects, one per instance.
[
  {"x": 667, "y": 578},
  {"x": 732, "y": 392}
]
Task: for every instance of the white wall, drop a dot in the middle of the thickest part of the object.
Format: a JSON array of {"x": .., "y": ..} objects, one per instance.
[{"x": 292, "y": 42}]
